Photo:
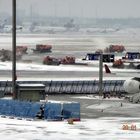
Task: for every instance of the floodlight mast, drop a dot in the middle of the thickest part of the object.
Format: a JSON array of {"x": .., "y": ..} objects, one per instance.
[{"x": 14, "y": 48}]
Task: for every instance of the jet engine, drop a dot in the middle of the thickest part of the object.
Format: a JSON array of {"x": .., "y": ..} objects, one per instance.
[{"x": 132, "y": 86}]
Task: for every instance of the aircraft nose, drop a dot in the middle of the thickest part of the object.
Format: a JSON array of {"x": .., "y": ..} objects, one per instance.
[{"x": 132, "y": 86}]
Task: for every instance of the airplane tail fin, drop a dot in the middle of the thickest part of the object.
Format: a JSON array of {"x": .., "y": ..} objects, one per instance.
[{"x": 107, "y": 70}]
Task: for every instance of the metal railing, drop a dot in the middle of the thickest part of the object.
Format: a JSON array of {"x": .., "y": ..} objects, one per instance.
[{"x": 70, "y": 87}]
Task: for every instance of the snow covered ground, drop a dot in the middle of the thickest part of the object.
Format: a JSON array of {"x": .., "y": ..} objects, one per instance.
[
  {"x": 61, "y": 72},
  {"x": 100, "y": 128},
  {"x": 38, "y": 67},
  {"x": 86, "y": 129}
]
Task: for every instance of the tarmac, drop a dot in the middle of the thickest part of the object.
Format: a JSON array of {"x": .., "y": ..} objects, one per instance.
[{"x": 94, "y": 106}]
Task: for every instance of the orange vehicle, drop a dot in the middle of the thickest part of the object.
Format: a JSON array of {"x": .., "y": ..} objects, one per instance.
[
  {"x": 56, "y": 61},
  {"x": 68, "y": 60},
  {"x": 115, "y": 48},
  {"x": 6, "y": 55},
  {"x": 51, "y": 61},
  {"x": 42, "y": 48},
  {"x": 21, "y": 49},
  {"x": 118, "y": 64}
]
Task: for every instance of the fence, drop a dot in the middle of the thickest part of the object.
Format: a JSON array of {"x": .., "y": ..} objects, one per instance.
[{"x": 70, "y": 87}]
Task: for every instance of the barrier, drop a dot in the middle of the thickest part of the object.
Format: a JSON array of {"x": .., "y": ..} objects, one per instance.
[
  {"x": 18, "y": 108},
  {"x": 71, "y": 110},
  {"x": 52, "y": 111}
]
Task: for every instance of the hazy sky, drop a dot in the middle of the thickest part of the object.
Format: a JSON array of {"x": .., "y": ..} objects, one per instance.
[{"x": 81, "y": 8}]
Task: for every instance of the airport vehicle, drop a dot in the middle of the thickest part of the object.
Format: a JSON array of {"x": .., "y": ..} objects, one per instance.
[
  {"x": 111, "y": 49},
  {"x": 114, "y": 48},
  {"x": 131, "y": 86},
  {"x": 131, "y": 56},
  {"x": 21, "y": 49},
  {"x": 6, "y": 55},
  {"x": 107, "y": 57},
  {"x": 68, "y": 60},
  {"x": 132, "y": 59},
  {"x": 41, "y": 48},
  {"x": 56, "y": 61},
  {"x": 118, "y": 64},
  {"x": 51, "y": 61},
  {"x": 93, "y": 59}
]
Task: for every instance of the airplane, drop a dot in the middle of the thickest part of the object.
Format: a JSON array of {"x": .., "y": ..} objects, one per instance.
[
  {"x": 45, "y": 29},
  {"x": 131, "y": 86},
  {"x": 2, "y": 25},
  {"x": 103, "y": 31},
  {"x": 7, "y": 28},
  {"x": 71, "y": 26}
]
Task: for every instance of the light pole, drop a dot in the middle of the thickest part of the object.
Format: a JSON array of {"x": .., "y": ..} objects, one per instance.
[
  {"x": 14, "y": 48},
  {"x": 101, "y": 75}
]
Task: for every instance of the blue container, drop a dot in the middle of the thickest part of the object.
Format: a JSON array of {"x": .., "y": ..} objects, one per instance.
[
  {"x": 71, "y": 110},
  {"x": 52, "y": 111}
]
